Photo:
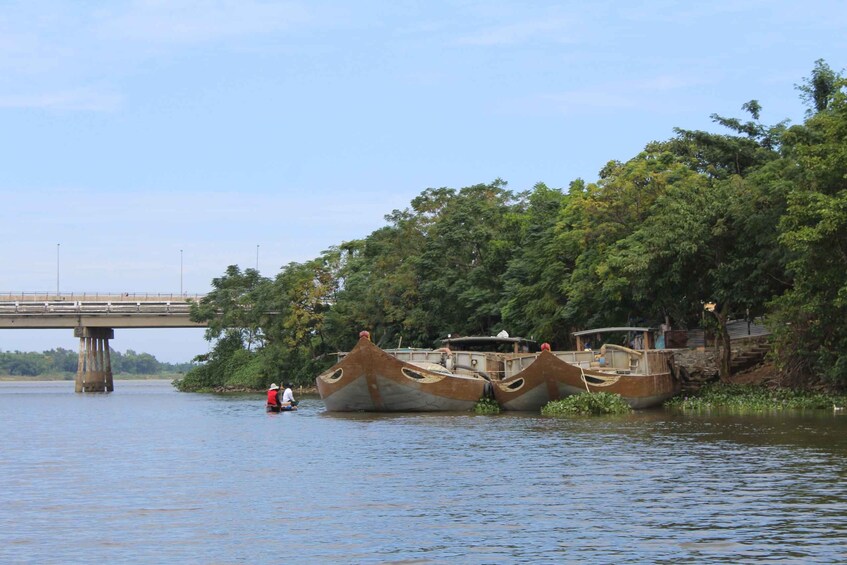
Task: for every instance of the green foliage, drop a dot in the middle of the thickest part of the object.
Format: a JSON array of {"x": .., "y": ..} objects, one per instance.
[
  {"x": 247, "y": 372},
  {"x": 23, "y": 364},
  {"x": 486, "y": 406},
  {"x": 586, "y": 404},
  {"x": 64, "y": 361},
  {"x": 819, "y": 89},
  {"x": 238, "y": 302},
  {"x": 754, "y": 399},
  {"x": 811, "y": 332},
  {"x": 229, "y": 366},
  {"x": 459, "y": 272},
  {"x": 753, "y": 218},
  {"x": 532, "y": 283}
]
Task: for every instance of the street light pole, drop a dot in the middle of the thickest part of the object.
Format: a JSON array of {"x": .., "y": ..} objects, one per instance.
[
  {"x": 257, "y": 257},
  {"x": 180, "y": 272},
  {"x": 58, "y": 245}
]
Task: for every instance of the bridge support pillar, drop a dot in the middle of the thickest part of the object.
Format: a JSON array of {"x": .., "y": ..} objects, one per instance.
[{"x": 94, "y": 372}]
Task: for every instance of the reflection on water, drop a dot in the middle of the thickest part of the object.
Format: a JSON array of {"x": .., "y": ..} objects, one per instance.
[{"x": 150, "y": 475}]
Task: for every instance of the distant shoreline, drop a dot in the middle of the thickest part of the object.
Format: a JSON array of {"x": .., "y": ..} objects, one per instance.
[{"x": 71, "y": 377}]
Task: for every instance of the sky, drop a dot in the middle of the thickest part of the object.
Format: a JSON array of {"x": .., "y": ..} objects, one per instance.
[{"x": 146, "y": 145}]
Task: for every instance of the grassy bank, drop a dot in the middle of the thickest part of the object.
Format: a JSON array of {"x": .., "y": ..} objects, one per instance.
[{"x": 756, "y": 398}]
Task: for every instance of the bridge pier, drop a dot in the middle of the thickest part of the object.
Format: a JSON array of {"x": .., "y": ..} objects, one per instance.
[{"x": 94, "y": 372}]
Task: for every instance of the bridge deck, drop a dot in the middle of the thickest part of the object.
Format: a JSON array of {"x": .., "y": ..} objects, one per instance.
[{"x": 41, "y": 311}]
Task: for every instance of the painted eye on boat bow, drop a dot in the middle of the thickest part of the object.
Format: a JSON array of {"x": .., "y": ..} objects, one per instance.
[
  {"x": 333, "y": 376},
  {"x": 515, "y": 385},
  {"x": 413, "y": 374}
]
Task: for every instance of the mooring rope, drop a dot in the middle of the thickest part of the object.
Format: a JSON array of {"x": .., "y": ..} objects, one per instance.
[{"x": 585, "y": 382}]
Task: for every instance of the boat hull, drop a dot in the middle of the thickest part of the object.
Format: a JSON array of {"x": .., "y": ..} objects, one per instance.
[
  {"x": 550, "y": 378},
  {"x": 278, "y": 409},
  {"x": 368, "y": 379}
]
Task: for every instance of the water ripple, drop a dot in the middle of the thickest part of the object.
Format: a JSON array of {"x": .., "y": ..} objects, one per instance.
[{"x": 150, "y": 475}]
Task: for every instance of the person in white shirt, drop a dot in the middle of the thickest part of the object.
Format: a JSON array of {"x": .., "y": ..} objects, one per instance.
[{"x": 288, "y": 396}]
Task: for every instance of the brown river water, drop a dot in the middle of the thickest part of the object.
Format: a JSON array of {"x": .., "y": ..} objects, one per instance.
[{"x": 149, "y": 475}]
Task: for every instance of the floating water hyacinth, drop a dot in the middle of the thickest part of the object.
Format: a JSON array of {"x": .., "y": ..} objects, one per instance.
[
  {"x": 754, "y": 398},
  {"x": 587, "y": 404},
  {"x": 486, "y": 406}
]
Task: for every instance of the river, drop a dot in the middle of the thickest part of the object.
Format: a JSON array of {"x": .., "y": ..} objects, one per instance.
[{"x": 150, "y": 475}]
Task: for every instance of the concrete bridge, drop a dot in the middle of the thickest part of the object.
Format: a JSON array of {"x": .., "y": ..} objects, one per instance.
[{"x": 93, "y": 318}]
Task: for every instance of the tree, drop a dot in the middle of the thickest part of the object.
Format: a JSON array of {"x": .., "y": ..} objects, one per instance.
[
  {"x": 812, "y": 335},
  {"x": 727, "y": 245},
  {"x": 532, "y": 283},
  {"x": 601, "y": 290},
  {"x": 819, "y": 90},
  {"x": 238, "y": 302},
  {"x": 466, "y": 252}
]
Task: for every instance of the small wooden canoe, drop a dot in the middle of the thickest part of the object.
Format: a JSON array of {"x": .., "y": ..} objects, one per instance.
[{"x": 271, "y": 408}]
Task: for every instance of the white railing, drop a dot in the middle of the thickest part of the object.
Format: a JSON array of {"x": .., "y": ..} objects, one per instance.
[
  {"x": 46, "y": 296},
  {"x": 75, "y": 307}
]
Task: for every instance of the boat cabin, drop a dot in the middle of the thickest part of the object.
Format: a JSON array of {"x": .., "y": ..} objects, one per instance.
[
  {"x": 622, "y": 350},
  {"x": 639, "y": 338}
]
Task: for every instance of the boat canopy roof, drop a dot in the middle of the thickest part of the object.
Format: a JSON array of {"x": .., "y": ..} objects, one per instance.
[
  {"x": 610, "y": 330},
  {"x": 482, "y": 339}
]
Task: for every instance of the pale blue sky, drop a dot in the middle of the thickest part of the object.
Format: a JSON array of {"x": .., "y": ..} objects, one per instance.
[{"x": 134, "y": 129}]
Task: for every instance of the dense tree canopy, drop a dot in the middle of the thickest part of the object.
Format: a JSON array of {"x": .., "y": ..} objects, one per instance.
[{"x": 752, "y": 217}]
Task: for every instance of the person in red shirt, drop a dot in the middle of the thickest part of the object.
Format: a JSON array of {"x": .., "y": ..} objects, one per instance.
[{"x": 273, "y": 398}]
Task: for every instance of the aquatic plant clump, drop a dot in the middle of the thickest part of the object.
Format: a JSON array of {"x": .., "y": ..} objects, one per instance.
[
  {"x": 587, "y": 404},
  {"x": 486, "y": 406},
  {"x": 755, "y": 399}
]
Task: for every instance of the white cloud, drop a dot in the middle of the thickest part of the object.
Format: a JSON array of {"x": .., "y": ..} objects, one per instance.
[
  {"x": 647, "y": 92},
  {"x": 26, "y": 53},
  {"x": 558, "y": 30},
  {"x": 86, "y": 99},
  {"x": 51, "y": 52},
  {"x": 194, "y": 21},
  {"x": 664, "y": 83}
]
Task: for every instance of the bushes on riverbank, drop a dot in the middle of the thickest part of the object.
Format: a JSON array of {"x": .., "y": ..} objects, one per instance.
[
  {"x": 227, "y": 367},
  {"x": 587, "y": 404},
  {"x": 755, "y": 398},
  {"x": 59, "y": 364}
]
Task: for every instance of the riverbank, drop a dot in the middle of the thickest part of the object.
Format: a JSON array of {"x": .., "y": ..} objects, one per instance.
[
  {"x": 757, "y": 397},
  {"x": 760, "y": 388},
  {"x": 297, "y": 390}
]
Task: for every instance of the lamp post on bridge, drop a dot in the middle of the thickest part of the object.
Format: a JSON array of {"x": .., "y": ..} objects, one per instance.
[
  {"x": 180, "y": 272},
  {"x": 58, "y": 246}
]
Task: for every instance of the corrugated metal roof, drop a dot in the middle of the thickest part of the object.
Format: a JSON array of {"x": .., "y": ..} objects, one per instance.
[
  {"x": 607, "y": 330},
  {"x": 485, "y": 339}
]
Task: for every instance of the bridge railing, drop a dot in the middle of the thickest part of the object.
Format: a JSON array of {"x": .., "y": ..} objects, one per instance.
[
  {"x": 13, "y": 307},
  {"x": 46, "y": 296}
]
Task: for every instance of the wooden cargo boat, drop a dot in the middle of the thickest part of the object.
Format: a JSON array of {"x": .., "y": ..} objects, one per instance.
[
  {"x": 644, "y": 378},
  {"x": 370, "y": 379}
]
